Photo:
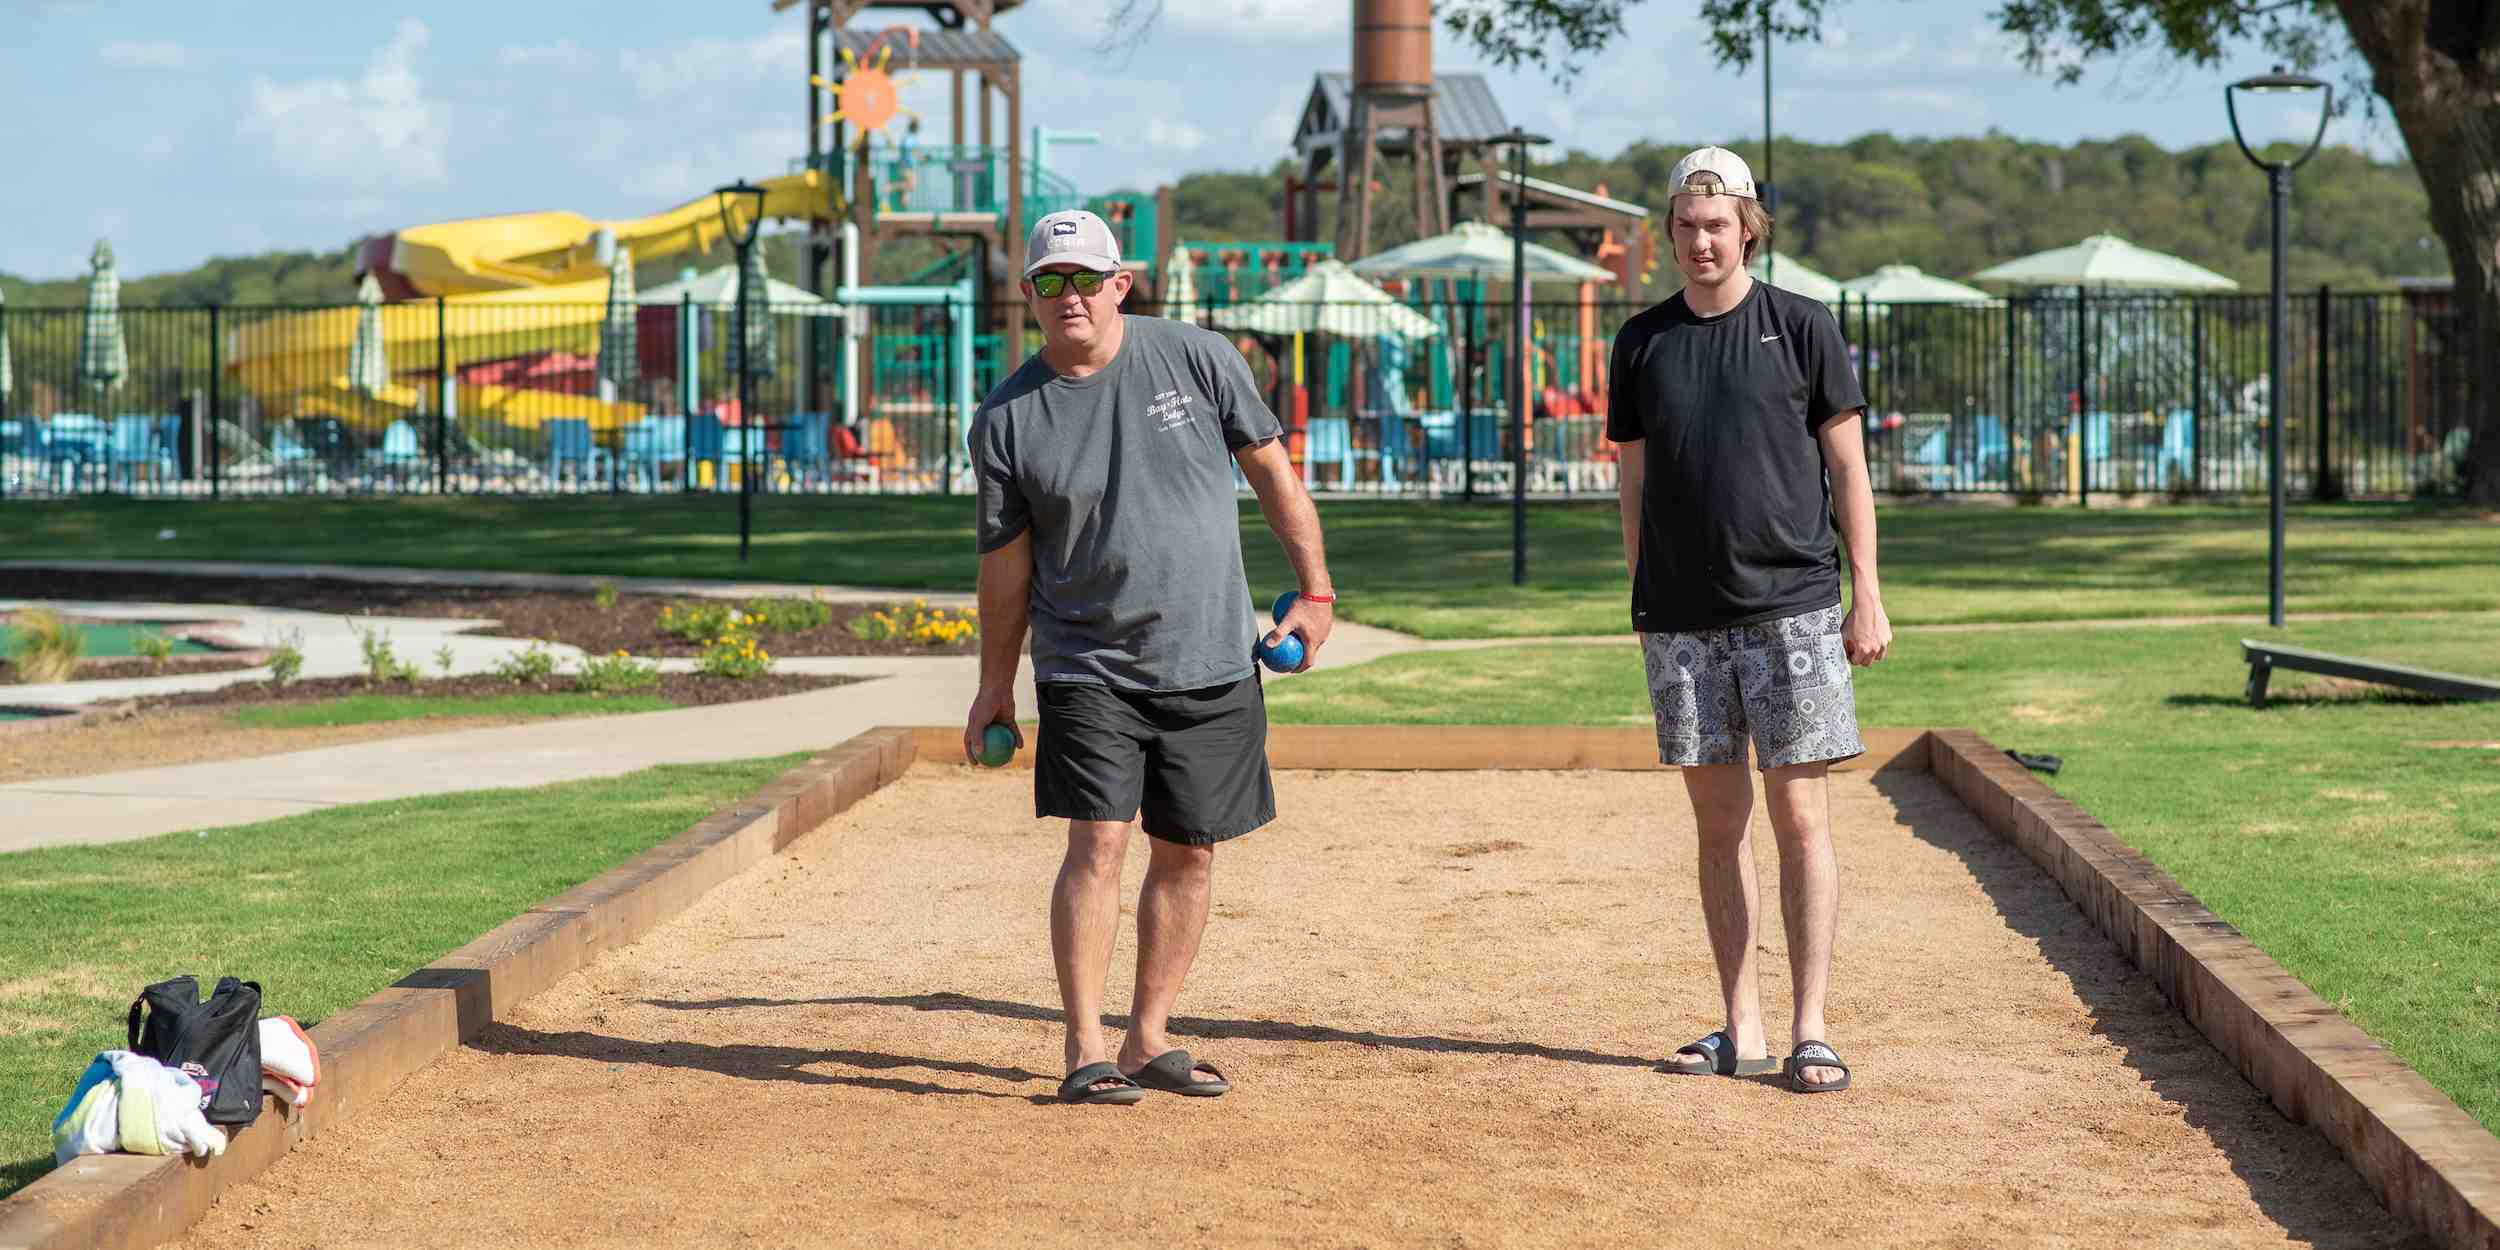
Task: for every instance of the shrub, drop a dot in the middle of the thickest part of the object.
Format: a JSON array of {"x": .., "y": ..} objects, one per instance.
[
  {"x": 442, "y": 658},
  {"x": 604, "y": 596},
  {"x": 916, "y": 623},
  {"x": 48, "y": 646},
  {"x": 534, "y": 663},
  {"x": 153, "y": 647},
  {"x": 789, "y": 616},
  {"x": 700, "y": 622},
  {"x": 381, "y": 662},
  {"x": 609, "y": 674},
  {"x": 286, "y": 658},
  {"x": 736, "y": 656}
]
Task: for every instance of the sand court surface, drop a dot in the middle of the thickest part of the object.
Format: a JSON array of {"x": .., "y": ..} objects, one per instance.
[{"x": 1442, "y": 998}]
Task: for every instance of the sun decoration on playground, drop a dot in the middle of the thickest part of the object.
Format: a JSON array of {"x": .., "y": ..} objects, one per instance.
[{"x": 868, "y": 96}]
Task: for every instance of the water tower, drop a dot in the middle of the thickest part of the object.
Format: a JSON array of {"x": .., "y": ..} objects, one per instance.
[{"x": 1392, "y": 89}]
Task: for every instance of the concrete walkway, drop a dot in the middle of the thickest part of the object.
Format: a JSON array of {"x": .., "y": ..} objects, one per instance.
[{"x": 200, "y": 797}]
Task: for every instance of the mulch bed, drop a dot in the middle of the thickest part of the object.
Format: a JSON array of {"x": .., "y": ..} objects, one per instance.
[
  {"x": 557, "y": 616},
  {"x": 682, "y": 689},
  {"x": 113, "y": 670}
]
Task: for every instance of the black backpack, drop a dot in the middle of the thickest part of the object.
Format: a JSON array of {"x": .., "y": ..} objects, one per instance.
[{"x": 217, "y": 1041}]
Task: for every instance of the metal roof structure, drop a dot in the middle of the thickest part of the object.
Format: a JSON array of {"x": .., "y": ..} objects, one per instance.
[{"x": 1464, "y": 111}]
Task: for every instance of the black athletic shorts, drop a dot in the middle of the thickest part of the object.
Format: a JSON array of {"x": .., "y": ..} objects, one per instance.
[{"x": 1195, "y": 761}]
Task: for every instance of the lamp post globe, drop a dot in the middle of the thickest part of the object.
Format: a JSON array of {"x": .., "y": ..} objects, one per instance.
[{"x": 2278, "y": 303}]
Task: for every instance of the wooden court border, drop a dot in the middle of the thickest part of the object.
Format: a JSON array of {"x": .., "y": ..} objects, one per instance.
[{"x": 2432, "y": 1164}]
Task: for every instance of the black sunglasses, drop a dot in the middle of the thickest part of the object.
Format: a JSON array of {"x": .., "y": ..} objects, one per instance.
[{"x": 1052, "y": 285}]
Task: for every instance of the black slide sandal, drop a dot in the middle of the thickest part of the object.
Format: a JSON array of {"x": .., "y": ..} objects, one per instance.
[
  {"x": 1814, "y": 1055},
  {"x": 1719, "y": 1051},
  {"x": 1078, "y": 1088},
  {"x": 1175, "y": 1072}
]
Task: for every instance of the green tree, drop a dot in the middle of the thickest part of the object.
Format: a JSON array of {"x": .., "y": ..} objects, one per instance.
[{"x": 2434, "y": 65}]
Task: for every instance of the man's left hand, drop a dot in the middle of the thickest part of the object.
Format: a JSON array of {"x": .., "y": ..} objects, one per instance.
[
  {"x": 1312, "y": 621},
  {"x": 1866, "y": 634}
]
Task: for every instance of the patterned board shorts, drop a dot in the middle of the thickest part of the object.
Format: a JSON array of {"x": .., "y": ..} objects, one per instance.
[{"x": 1784, "y": 683}]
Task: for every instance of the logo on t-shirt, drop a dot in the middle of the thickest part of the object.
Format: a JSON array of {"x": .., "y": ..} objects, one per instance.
[{"x": 1169, "y": 410}]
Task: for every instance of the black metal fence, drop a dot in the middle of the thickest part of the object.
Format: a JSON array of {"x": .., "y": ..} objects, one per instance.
[{"x": 2062, "y": 396}]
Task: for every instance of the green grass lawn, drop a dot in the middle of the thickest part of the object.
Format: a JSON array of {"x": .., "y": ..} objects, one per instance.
[
  {"x": 365, "y": 709},
  {"x": 322, "y": 909},
  {"x": 1439, "y": 570},
  {"x": 2347, "y": 833}
]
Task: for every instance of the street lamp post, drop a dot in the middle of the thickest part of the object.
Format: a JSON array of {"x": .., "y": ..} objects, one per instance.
[
  {"x": 1519, "y": 140},
  {"x": 742, "y": 237},
  {"x": 2278, "y": 305}
]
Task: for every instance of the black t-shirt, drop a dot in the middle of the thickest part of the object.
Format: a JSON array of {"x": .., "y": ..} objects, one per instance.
[{"x": 1736, "y": 517}]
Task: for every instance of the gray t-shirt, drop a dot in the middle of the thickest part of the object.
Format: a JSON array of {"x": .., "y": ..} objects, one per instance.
[{"x": 1125, "y": 478}]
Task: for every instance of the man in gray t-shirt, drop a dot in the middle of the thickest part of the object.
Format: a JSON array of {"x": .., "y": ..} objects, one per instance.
[{"x": 1108, "y": 526}]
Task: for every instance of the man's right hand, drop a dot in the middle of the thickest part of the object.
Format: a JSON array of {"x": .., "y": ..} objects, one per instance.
[{"x": 989, "y": 707}]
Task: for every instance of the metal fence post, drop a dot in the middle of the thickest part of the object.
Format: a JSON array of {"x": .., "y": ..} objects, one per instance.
[
  {"x": 2196, "y": 394},
  {"x": 2083, "y": 396},
  {"x": 2324, "y": 485},
  {"x": 444, "y": 388},
  {"x": 216, "y": 376}
]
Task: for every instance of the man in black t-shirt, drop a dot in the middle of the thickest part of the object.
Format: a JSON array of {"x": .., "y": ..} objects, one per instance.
[{"x": 1739, "y": 415}]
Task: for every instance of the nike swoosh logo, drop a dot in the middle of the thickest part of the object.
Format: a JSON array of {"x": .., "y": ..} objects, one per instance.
[{"x": 1768, "y": 337}]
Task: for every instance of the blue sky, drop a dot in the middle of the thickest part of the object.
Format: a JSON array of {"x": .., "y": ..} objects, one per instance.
[{"x": 188, "y": 131}]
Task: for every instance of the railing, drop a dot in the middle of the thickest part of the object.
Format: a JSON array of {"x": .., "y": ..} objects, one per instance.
[{"x": 2051, "y": 397}]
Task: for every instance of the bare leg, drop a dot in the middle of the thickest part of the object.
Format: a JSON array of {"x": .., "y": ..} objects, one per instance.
[
  {"x": 1171, "y": 915},
  {"x": 1084, "y": 917},
  {"x": 1722, "y": 796},
  {"x": 1801, "y": 822}
]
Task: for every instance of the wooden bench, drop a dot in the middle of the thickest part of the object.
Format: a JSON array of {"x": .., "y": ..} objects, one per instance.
[{"x": 2265, "y": 657}]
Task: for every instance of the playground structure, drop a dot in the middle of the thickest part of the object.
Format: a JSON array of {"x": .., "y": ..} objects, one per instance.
[
  {"x": 496, "y": 333},
  {"x": 494, "y": 330},
  {"x": 503, "y": 354}
]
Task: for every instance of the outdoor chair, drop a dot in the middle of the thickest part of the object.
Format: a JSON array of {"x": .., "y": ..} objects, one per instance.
[
  {"x": 569, "y": 443},
  {"x": 75, "y": 446},
  {"x": 651, "y": 445},
  {"x": 400, "y": 454}
]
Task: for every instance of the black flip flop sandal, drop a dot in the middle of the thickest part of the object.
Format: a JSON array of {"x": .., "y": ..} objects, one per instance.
[
  {"x": 1814, "y": 1055},
  {"x": 1079, "y": 1087},
  {"x": 1719, "y": 1050},
  {"x": 1175, "y": 1072}
]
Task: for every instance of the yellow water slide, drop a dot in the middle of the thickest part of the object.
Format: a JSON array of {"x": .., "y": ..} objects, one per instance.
[
  {"x": 514, "y": 285},
  {"x": 553, "y": 249}
]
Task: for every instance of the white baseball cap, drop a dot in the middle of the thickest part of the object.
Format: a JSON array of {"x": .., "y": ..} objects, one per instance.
[
  {"x": 1734, "y": 178},
  {"x": 1072, "y": 237}
]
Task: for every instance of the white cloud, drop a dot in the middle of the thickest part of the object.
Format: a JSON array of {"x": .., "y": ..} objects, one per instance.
[
  {"x": 564, "y": 55},
  {"x": 686, "y": 70},
  {"x": 1178, "y": 136},
  {"x": 1268, "y": 21},
  {"x": 149, "y": 54},
  {"x": 380, "y": 127}
]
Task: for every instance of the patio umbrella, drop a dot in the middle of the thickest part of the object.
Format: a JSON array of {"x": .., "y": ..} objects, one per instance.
[
  {"x": 1475, "y": 250},
  {"x": 103, "y": 357},
  {"x": 1908, "y": 284},
  {"x": 1789, "y": 275},
  {"x": 2105, "y": 260},
  {"x": 619, "y": 344},
  {"x": 1180, "y": 291},
  {"x": 1328, "y": 298},
  {"x": 719, "y": 289},
  {"x": 368, "y": 363}
]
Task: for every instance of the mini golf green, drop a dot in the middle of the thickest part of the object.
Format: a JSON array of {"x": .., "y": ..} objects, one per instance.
[{"x": 113, "y": 639}]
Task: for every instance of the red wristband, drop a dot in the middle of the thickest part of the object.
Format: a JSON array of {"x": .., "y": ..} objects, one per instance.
[{"x": 1317, "y": 598}]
